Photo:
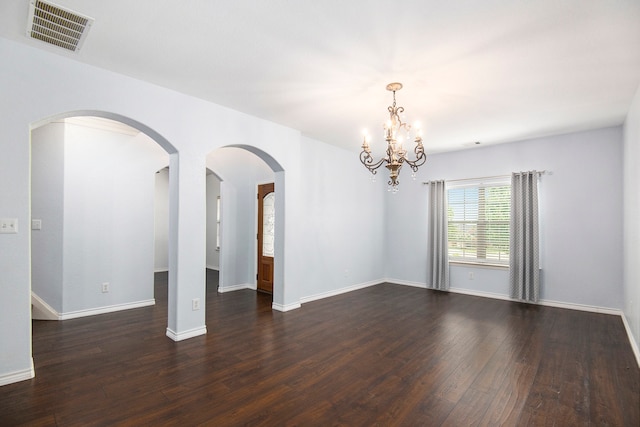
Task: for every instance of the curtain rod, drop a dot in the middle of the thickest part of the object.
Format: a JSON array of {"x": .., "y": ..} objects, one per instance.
[{"x": 542, "y": 172}]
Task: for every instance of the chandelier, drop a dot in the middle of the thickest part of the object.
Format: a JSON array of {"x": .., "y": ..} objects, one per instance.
[{"x": 395, "y": 132}]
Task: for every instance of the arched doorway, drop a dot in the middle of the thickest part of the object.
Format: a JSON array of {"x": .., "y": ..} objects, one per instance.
[
  {"x": 242, "y": 169},
  {"x": 92, "y": 205}
]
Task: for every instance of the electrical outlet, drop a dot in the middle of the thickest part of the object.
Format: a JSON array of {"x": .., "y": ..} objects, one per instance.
[
  {"x": 105, "y": 287},
  {"x": 195, "y": 304},
  {"x": 471, "y": 275}
]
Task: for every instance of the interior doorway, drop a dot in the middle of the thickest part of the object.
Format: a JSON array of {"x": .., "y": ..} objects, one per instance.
[
  {"x": 242, "y": 168},
  {"x": 266, "y": 237},
  {"x": 92, "y": 199}
]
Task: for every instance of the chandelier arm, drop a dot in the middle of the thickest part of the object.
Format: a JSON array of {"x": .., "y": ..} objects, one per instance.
[
  {"x": 419, "y": 161},
  {"x": 421, "y": 157},
  {"x": 367, "y": 161}
]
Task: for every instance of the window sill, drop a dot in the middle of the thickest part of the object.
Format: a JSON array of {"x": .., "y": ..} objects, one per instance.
[{"x": 479, "y": 265}]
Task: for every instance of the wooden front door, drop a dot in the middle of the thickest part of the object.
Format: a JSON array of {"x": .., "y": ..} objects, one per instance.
[{"x": 266, "y": 237}]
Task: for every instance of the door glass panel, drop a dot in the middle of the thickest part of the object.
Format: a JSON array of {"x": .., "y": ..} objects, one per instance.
[{"x": 268, "y": 224}]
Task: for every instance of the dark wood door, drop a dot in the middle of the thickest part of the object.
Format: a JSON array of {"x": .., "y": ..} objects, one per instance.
[{"x": 266, "y": 237}]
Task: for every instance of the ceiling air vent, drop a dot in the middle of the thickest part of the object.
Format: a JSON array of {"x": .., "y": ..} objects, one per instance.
[{"x": 57, "y": 26}]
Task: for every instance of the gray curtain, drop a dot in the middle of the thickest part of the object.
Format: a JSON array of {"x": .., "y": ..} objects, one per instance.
[
  {"x": 524, "y": 273},
  {"x": 438, "y": 242}
]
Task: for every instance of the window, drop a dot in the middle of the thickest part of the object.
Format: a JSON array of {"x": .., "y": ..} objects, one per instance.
[{"x": 478, "y": 222}]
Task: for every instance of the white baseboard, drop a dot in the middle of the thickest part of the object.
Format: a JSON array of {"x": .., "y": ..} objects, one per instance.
[
  {"x": 632, "y": 340},
  {"x": 232, "y": 288},
  {"x": 548, "y": 303},
  {"x": 333, "y": 293},
  {"x": 106, "y": 309},
  {"x": 179, "y": 336},
  {"x": 404, "y": 283},
  {"x": 580, "y": 307},
  {"x": 18, "y": 376},
  {"x": 46, "y": 312},
  {"x": 41, "y": 310},
  {"x": 287, "y": 307},
  {"x": 166, "y": 269},
  {"x": 482, "y": 294},
  {"x": 296, "y": 305}
]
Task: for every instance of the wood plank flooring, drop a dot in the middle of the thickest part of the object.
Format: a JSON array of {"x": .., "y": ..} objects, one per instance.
[{"x": 388, "y": 355}]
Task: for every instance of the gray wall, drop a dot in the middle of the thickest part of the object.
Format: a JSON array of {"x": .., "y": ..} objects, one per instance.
[{"x": 581, "y": 216}]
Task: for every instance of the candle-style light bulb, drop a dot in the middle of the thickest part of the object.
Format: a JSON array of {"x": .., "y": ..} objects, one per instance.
[
  {"x": 418, "y": 127},
  {"x": 365, "y": 140}
]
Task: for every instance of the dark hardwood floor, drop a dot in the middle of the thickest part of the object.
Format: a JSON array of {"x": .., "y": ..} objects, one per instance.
[{"x": 382, "y": 356}]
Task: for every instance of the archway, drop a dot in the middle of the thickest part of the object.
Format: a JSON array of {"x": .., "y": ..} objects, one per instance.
[
  {"x": 101, "y": 242},
  {"x": 242, "y": 168}
]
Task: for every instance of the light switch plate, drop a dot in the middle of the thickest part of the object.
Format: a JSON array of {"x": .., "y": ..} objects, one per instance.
[
  {"x": 8, "y": 225},
  {"x": 36, "y": 224}
]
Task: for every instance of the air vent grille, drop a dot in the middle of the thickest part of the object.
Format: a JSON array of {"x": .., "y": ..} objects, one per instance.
[{"x": 57, "y": 26}]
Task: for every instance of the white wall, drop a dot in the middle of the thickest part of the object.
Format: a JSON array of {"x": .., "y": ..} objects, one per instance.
[
  {"x": 108, "y": 217},
  {"x": 581, "y": 215},
  {"x": 632, "y": 221},
  {"x": 344, "y": 217},
  {"x": 47, "y": 205}
]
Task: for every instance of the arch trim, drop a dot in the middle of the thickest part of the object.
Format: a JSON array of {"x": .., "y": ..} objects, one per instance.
[{"x": 157, "y": 137}]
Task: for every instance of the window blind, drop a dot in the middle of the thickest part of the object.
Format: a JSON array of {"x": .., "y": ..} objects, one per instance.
[{"x": 478, "y": 222}]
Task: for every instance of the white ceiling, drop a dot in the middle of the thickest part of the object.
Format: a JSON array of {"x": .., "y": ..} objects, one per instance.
[{"x": 490, "y": 71}]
